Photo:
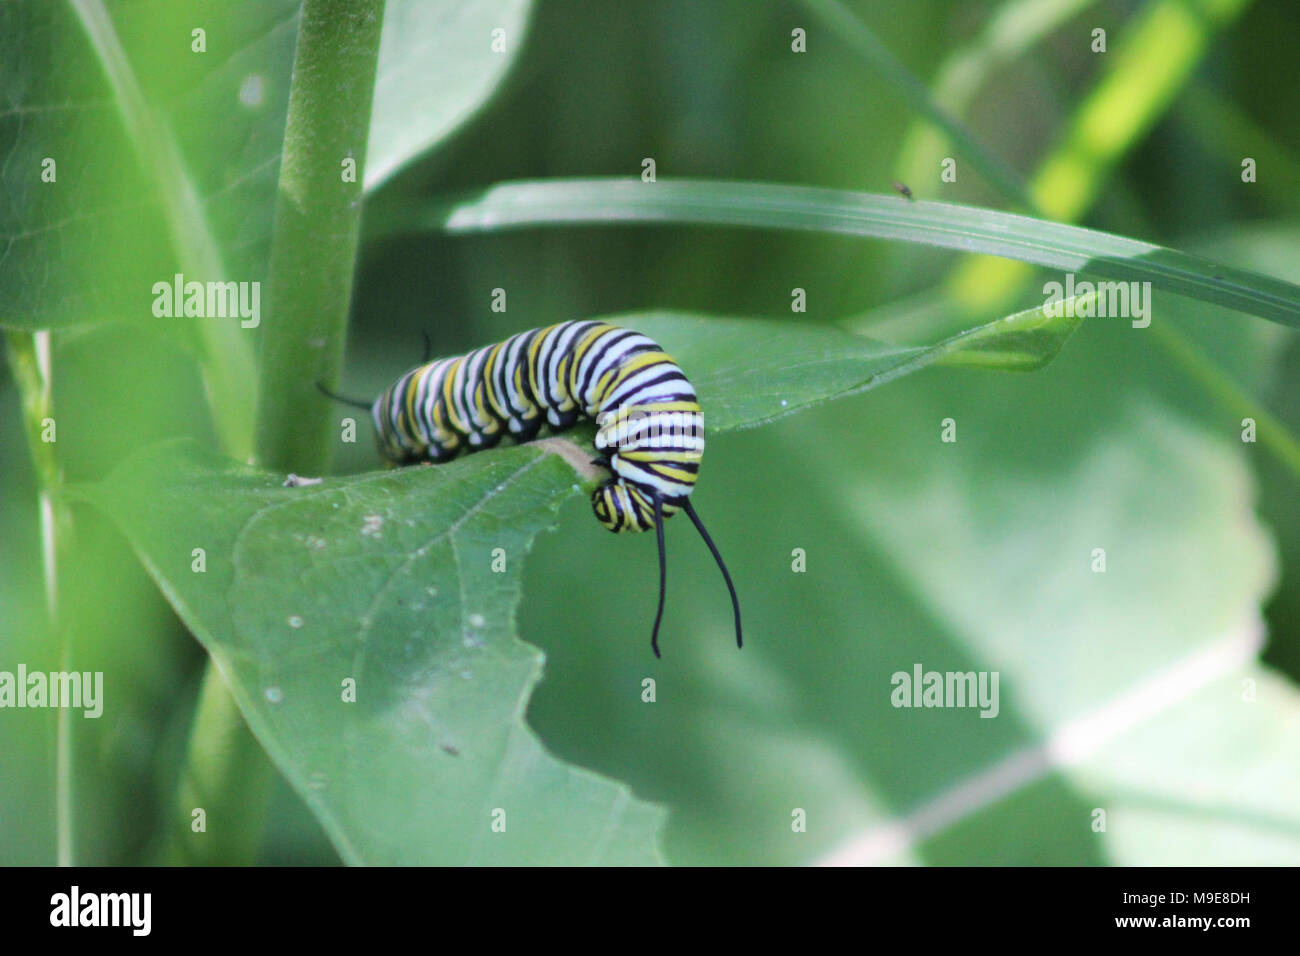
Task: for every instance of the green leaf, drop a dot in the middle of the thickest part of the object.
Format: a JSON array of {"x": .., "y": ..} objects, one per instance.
[
  {"x": 802, "y": 365},
  {"x": 1121, "y": 690},
  {"x": 618, "y": 201},
  {"x": 437, "y": 69},
  {"x": 387, "y": 579},
  {"x": 165, "y": 156},
  {"x": 166, "y": 160}
]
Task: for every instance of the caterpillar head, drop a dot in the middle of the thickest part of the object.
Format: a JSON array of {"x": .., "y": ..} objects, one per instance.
[{"x": 621, "y": 507}]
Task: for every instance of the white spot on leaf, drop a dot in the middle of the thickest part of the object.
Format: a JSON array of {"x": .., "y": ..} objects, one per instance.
[{"x": 252, "y": 91}]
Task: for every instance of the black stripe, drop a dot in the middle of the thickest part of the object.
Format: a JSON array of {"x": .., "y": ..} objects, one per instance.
[
  {"x": 525, "y": 388},
  {"x": 672, "y": 375},
  {"x": 607, "y": 342}
]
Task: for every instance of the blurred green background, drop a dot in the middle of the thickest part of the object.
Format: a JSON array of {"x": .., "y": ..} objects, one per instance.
[{"x": 967, "y": 556}]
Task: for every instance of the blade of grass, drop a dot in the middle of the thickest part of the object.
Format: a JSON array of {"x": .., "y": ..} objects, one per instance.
[
  {"x": 1147, "y": 84},
  {"x": 29, "y": 358},
  {"x": 848, "y": 27},
  {"x": 1011, "y": 30},
  {"x": 621, "y": 201},
  {"x": 1227, "y": 133},
  {"x": 1270, "y": 430},
  {"x": 226, "y": 353},
  {"x": 1156, "y": 56}
]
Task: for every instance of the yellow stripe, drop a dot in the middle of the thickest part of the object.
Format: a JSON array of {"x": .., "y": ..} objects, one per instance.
[
  {"x": 534, "y": 349},
  {"x": 489, "y": 379},
  {"x": 585, "y": 345},
  {"x": 638, "y": 362},
  {"x": 408, "y": 402},
  {"x": 562, "y": 376},
  {"x": 531, "y": 411},
  {"x": 635, "y": 364},
  {"x": 652, "y": 454},
  {"x": 443, "y": 433},
  {"x": 448, "y": 378},
  {"x": 493, "y": 425},
  {"x": 654, "y": 407},
  {"x": 682, "y": 477}
]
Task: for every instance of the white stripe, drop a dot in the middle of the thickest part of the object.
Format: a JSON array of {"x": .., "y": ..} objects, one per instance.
[
  {"x": 637, "y": 390},
  {"x": 670, "y": 431},
  {"x": 479, "y": 425},
  {"x": 563, "y": 346},
  {"x": 516, "y": 360}
]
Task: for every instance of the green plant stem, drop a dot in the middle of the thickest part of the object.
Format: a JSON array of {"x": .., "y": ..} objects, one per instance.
[
  {"x": 844, "y": 23},
  {"x": 1008, "y": 33},
  {"x": 313, "y": 252},
  {"x": 225, "y": 353},
  {"x": 1271, "y": 432},
  {"x": 29, "y": 357},
  {"x": 228, "y": 777},
  {"x": 1228, "y": 133},
  {"x": 317, "y": 224}
]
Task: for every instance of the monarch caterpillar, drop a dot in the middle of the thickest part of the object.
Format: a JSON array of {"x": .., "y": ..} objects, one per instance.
[{"x": 650, "y": 429}]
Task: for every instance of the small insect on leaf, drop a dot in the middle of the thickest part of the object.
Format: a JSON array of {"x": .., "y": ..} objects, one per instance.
[{"x": 903, "y": 190}]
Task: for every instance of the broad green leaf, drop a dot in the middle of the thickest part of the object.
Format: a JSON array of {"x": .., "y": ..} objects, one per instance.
[
  {"x": 1128, "y": 680},
  {"x": 617, "y": 201},
  {"x": 164, "y": 126},
  {"x": 437, "y": 68},
  {"x": 1121, "y": 690},
  {"x": 798, "y": 366},
  {"x": 387, "y": 579},
  {"x": 165, "y": 157}
]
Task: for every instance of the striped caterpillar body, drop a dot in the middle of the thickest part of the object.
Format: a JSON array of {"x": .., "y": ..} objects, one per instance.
[{"x": 650, "y": 429}]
